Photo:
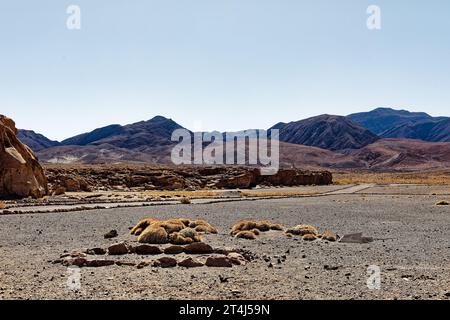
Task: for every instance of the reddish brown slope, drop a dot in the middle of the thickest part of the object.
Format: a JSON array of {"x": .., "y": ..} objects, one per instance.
[{"x": 404, "y": 154}]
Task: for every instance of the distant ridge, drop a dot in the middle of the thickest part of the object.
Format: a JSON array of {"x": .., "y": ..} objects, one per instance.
[
  {"x": 327, "y": 132},
  {"x": 140, "y": 135},
  {"x": 390, "y": 123},
  {"x": 35, "y": 140},
  {"x": 325, "y": 141}
]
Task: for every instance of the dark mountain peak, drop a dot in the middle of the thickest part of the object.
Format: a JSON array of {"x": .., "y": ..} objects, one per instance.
[
  {"x": 35, "y": 141},
  {"x": 400, "y": 112},
  {"x": 157, "y": 119},
  {"x": 278, "y": 126},
  {"x": 328, "y": 132},
  {"x": 140, "y": 135},
  {"x": 381, "y": 120}
]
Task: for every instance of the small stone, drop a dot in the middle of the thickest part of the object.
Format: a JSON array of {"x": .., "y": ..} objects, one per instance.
[
  {"x": 111, "y": 234},
  {"x": 237, "y": 259},
  {"x": 165, "y": 262},
  {"x": 330, "y": 268},
  {"x": 219, "y": 262},
  {"x": 96, "y": 251},
  {"x": 118, "y": 249},
  {"x": 125, "y": 263},
  {"x": 145, "y": 249},
  {"x": 99, "y": 263},
  {"x": 79, "y": 262},
  {"x": 198, "y": 248},
  {"x": 174, "y": 250},
  {"x": 142, "y": 264},
  {"x": 190, "y": 263}
]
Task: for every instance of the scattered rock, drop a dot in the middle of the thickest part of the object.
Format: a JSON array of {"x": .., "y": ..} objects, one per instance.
[
  {"x": 198, "y": 248},
  {"x": 99, "y": 263},
  {"x": 125, "y": 263},
  {"x": 219, "y": 262},
  {"x": 174, "y": 250},
  {"x": 165, "y": 262},
  {"x": 118, "y": 249},
  {"x": 145, "y": 249},
  {"x": 79, "y": 262},
  {"x": 111, "y": 234},
  {"x": 330, "y": 268},
  {"x": 142, "y": 264},
  {"x": 96, "y": 251},
  {"x": 237, "y": 258},
  {"x": 190, "y": 263}
]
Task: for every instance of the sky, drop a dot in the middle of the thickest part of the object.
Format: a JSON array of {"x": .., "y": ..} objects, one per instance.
[{"x": 218, "y": 64}]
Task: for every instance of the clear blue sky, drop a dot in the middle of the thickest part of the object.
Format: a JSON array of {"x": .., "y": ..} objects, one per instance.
[{"x": 221, "y": 64}]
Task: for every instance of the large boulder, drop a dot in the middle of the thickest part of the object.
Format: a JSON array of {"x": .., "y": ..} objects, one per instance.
[{"x": 20, "y": 172}]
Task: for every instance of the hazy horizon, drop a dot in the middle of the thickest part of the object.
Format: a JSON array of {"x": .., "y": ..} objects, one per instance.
[{"x": 218, "y": 65}]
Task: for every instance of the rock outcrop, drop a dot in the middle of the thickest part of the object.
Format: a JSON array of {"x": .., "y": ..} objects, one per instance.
[
  {"x": 148, "y": 177},
  {"x": 20, "y": 172}
]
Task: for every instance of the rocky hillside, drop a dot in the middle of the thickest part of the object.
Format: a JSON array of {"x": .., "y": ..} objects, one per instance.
[
  {"x": 327, "y": 132},
  {"x": 381, "y": 120},
  {"x": 390, "y": 123},
  {"x": 433, "y": 130},
  {"x": 35, "y": 140},
  {"x": 156, "y": 132}
]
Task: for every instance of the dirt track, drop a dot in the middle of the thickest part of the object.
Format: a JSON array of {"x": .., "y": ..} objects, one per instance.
[{"x": 412, "y": 249}]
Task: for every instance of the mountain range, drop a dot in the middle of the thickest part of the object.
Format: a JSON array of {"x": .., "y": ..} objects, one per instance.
[{"x": 381, "y": 139}]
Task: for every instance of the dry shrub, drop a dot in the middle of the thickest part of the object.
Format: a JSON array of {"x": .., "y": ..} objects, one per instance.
[
  {"x": 154, "y": 234},
  {"x": 302, "y": 229},
  {"x": 276, "y": 227},
  {"x": 171, "y": 225},
  {"x": 142, "y": 225},
  {"x": 3, "y": 205},
  {"x": 251, "y": 225},
  {"x": 175, "y": 231},
  {"x": 249, "y": 235},
  {"x": 179, "y": 239},
  {"x": 202, "y": 226},
  {"x": 243, "y": 225},
  {"x": 443, "y": 203},
  {"x": 185, "y": 200}
]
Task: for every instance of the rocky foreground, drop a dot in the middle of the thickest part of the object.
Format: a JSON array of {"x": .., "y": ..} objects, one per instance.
[{"x": 406, "y": 229}]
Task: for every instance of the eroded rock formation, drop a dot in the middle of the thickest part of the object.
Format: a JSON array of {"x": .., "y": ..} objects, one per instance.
[
  {"x": 148, "y": 177},
  {"x": 20, "y": 172}
]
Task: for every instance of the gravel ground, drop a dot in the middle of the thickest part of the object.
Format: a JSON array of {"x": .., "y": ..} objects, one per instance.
[{"x": 412, "y": 249}]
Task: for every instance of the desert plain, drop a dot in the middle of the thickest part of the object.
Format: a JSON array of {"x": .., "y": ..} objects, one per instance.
[{"x": 411, "y": 245}]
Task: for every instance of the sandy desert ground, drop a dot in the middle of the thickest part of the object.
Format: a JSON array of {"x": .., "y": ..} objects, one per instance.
[{"x": 411, "y": 246}]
